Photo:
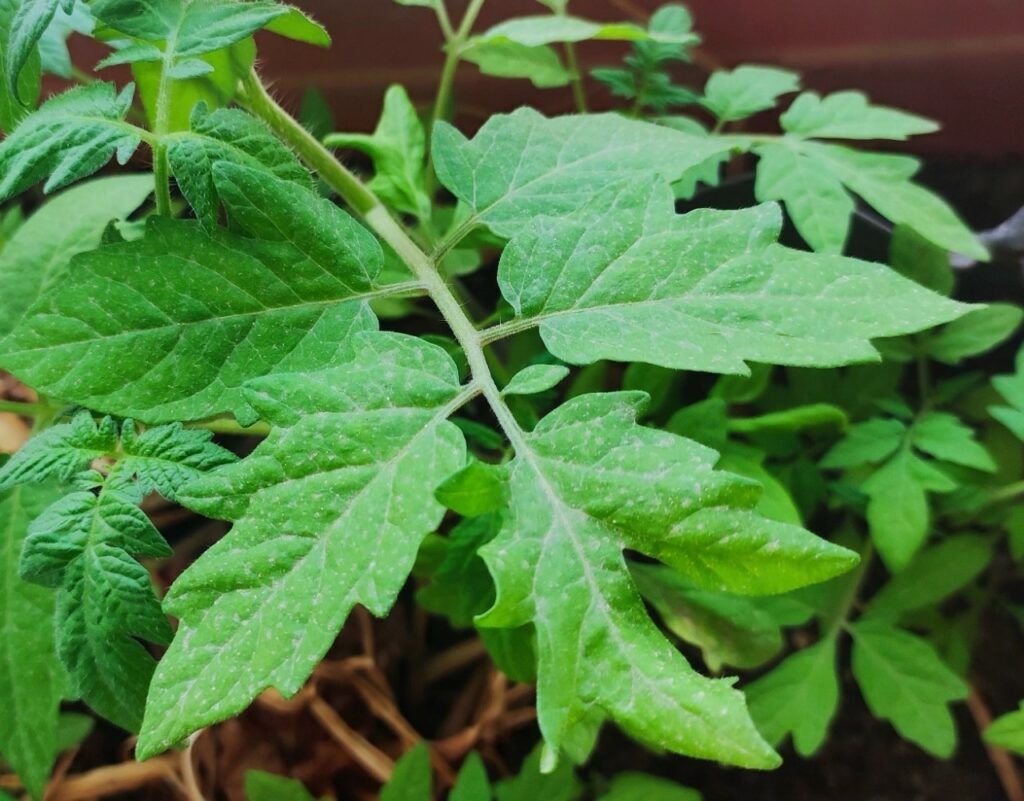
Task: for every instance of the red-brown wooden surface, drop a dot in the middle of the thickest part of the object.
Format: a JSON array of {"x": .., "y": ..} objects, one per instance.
[{"x": 960, "y": 62}]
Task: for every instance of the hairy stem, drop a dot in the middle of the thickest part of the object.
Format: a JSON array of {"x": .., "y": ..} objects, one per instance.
[
  {"x": 161, "y": 126},
  {"x": 454, "y": 44},
  {"x": 23, "y": 409},
  {"x": 379, "y": 219}
]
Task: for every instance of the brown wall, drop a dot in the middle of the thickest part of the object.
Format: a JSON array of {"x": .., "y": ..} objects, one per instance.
[{"x": 958, "y": 61}]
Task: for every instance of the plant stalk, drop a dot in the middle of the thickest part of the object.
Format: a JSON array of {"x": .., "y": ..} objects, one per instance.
[
  {"x": 376, "y": 215},
  {"x": 579, "y": 92}
]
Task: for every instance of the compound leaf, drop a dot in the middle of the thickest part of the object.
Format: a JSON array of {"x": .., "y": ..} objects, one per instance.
[
  {"x": 629, "y": 279},
  {"x": 849, "y": 115},
  {"x": 816, "y": 201},
  {"x": 738, "y": 93},
  {"x": 904, "y": 681},
  {"x": 587, "y": 483},
  {"x": 37, "y": 256},
  {"x": 523, "y": 164},
  {"x": 411, "y": 780},
  {"x": 31, "y": 680},
  {"x": 799, "y": 697},
  {"x": 975, "y": 333},
  {"x": 1007, "y": 731},
  {"x": 398, "y": 148},
  {"x": 69, "y": 138},
  {"x": 212, "y": 310},
  {"x": 227, "y": 135},
  {"x": 263, "y": 786},
  {"x": 83, "y": 544},
  {"x": 263, "y": 605}
]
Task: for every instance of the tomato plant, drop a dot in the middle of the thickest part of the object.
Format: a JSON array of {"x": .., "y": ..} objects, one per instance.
[{"x": 591, "y": 428}]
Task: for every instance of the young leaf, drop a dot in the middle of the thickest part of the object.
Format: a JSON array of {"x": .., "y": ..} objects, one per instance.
[
  {"x": 460, "y": 588},
  {"x": 641, "y": 787},
  {"x": 738, "y": 93},
  {"x": 398, "y": 148},
  {"x": 31, "y": 680},
  {"x": 1007, "y": 731},
  {"x": 866, "y": 443},
  {"x": 534, "y": 783},
  {"x": 627, "y": 278},
  {"x": 503, "y": 58},
  {"x": 535, "y": 378},
  {"x": 61, "y": 452},
  {"x": 897, "y": 510},
  {"x": 800, "y": 697},
  {"x": 1011, "y": 387},
  {"x": 309, "y": 540},
  {"x": 26, "y": 28},
  {"x": 19, "y": 62},
  {"x": 933, "y": 575},
  {"x": 83, "y": 544},
  {"x": 558, "y": 28},
  {"x": 848, "y": 115},
  {"x": 905, "y": 682},
  {"x": 263, "y": 786},
  {"x": 945, "y": 437},
  {"x": 913, "y": 256},
  {"x": 37, "y": 256},
  {"x": 472, "y": 783},
  {"x": 475, "y": 490},
  {"x": 587, "y": 483},
  {"x": 226, "y": 135},
  {"x": 69, "y": 138},
  {"x": 816, "y": 200},
  {"x": 186, "y": 29},
  {"x": 975, "y": 333},
  {"x": 883, "y": 181},
  {"x": 729, "y": 629},
  {"x": 178, "y": 340},
  {"x": 521, "y": 165},
  {"x": 411, "y": 780}
]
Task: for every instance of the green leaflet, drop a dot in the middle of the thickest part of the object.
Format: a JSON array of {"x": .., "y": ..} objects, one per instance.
[
  {"x": 211, "y": 311},
  {"x": 816, "y": 200},
  {"x": 398, "y": 149},
  {"x": 187, "y": 29},
  {"x": 945, "y": 437},
  {"x": 866, "y": 443},
  {"x": 799, "y": 696},
  {"x": 523, "y": 164},
  {"x": 1011, "y": 388},
  {"x": 883, "y": 181},
  {"x": 628, "y": 279},
  {"x": 904, "y": 681},
  {"x": 587, "y": 483},
  {"x": 975, "y": 333},
  {"x": 472, "y": 783},
  {"x": 36, "y": 257},
  {"x": 533, "y": 782},
  {"x": 933, "y": 575},
  {"x": 535, "y": 378},
  {"x": 729, "y": 629},
  {"x": 504, "y": 58},
  {"x": 31, "y": 679},
  {"x": 69, "y": 138},
  {"x": 263, "y": 786},
  {"x": 849, "y": 115},
  {"x": 557, "y": 28},
  {"x": 19, "y": 62},
  {"x": 83, "y": 544},
  {"x": 21, "y": 55},
  {"x": 226, "y": 135},
  {"x": 735, "y": 94},
  {"x": 411, "y": 780},
  {"x": 262, "y": 606},
  {"x": 815, "y": 180},
  {"x": 1007, "y": 731}
]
